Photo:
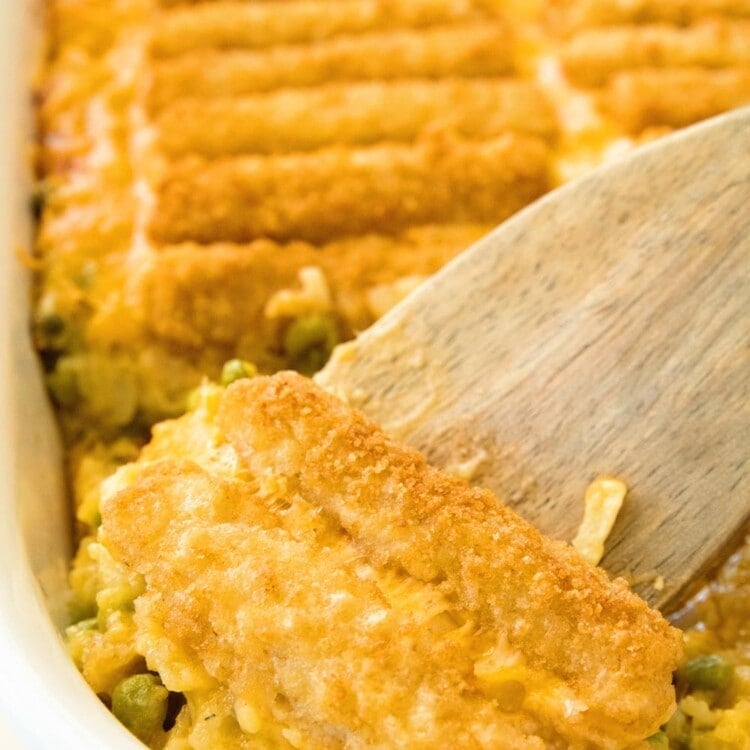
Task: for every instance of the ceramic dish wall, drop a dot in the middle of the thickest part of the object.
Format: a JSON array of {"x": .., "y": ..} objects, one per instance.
[{"x": 41, "y": 693}]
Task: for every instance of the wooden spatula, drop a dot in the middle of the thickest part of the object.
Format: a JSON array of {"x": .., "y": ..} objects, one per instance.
[{"x": 603, "y": 330}]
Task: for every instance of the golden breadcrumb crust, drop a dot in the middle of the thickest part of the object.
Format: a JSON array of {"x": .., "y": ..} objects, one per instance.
[
  {"x": 194, "y": 130},
  {"x": 338, "y": 192},
  {"x": 477, "y": 48},
  {"x": 386, "y": 602}
]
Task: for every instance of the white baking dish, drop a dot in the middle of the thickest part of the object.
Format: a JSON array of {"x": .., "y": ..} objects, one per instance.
[{"x": 41, "y": 693}]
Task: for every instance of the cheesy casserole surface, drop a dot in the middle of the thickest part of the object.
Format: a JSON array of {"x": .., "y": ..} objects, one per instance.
[{"x": 254, "y": 181}]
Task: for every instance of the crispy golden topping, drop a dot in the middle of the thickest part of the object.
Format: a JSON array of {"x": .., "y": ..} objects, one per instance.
[{"x": 345, "y": 592}]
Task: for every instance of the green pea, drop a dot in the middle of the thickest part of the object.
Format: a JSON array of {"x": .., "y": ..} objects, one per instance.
[
  {"x": 711, "y": 672},
  {"x": 83, "y": 610},
  {"x": 677, "y": 730},
  {"x": 309, "y": 341},
  {"x": 236, "y": 369},
  {"x": 140, "y": 703},
  {"x": 658, "y": 740},
  {"x": 63, "y": 382},
  {"x": 312, "y": 361}
]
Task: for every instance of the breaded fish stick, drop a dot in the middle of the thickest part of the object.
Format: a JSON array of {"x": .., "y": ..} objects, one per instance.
[
  {"x": 339, "y": 192},
  {"x": 591, "y": 57},
  {"x": 201, "y": 296},
  {"x": 357, "y": 114},
  {"x": 675, "y": 97},
  {"x": 228, "y": 25},
  {"x": 346, "y": 594},
  {"x": 570, "y": 15},
  {"x": 482, "y": 48},
  {"x": 312, "y": 647},
  {"x": 563, "y": 620}
]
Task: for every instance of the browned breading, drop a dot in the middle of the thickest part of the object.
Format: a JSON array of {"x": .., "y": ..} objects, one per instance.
[
  {"x": 569, "y": 15},
  {"x": 483, "y": 48},
  {"x": 236, "y": 25},
  {"x": 591, "y": 57},
  {"x": 349, "y": 595},
  {"x": 356, "y": 114},
  {"x": 207, "y": 296},
  {"x": 674, "y": 96},
  {"x": 338, "y": 192}
]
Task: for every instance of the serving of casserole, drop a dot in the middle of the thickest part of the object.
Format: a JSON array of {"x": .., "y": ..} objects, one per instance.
[{"x": 228, "y": 187}]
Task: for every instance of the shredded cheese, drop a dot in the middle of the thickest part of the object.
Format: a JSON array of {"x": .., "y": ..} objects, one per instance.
[{"x": 602, "y": 503}]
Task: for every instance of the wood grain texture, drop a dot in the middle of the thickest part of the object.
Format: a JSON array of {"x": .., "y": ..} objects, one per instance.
[{"x": 604, "y": 329}]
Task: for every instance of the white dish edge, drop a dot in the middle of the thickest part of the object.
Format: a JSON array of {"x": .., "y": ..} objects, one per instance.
[{"x": 41, "y": 693}]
